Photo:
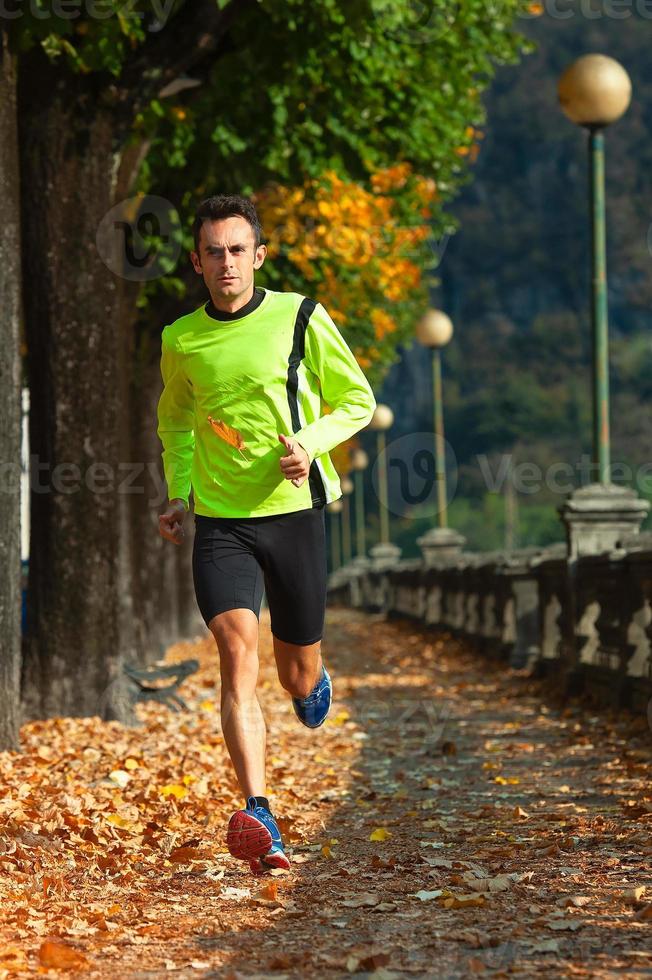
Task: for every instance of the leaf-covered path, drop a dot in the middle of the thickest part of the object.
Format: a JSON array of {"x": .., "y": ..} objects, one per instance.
[{"x": 449, "y": 820}]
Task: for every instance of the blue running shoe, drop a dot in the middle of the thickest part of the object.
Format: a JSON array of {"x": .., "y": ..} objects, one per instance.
[
  {"x": 253, "y": 836},
  {"x": 312, "y": 711}
]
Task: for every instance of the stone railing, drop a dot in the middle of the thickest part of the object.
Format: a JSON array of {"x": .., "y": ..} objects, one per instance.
[{"x": 587, "y": 620}]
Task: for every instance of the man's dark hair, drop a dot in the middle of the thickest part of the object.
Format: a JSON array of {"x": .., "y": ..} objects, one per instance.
[{"x": 226, "y": 206}]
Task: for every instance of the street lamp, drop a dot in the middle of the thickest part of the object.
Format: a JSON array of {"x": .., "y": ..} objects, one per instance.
[
  {"x": 434, "y": 330},
  {"x": 334, "y": 508},
  {"x": 359, "y": 463},
  {"x": 594, "y": 91},
  {"x": 347, "y": 488},
  {"x": 384, "y": 552}
]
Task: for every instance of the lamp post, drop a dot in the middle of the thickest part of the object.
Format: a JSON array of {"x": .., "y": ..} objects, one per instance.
[
  {"x": 359, "y": 463},
  {"x": 384, "y": 552},
  {"x": 434, "y": 330},
  {"x": 594, "y": 91},
  {"x": 334, "y": 509},
  {"x": 347, "y": 489}
]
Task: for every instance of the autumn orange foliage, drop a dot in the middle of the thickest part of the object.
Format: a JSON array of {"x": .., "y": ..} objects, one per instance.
[{"x": 360, "y": 249}]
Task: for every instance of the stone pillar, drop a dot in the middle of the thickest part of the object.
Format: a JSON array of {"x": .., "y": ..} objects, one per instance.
[
  {"x": 438, "y": 543},
  {"x": 598, "y": 515},
  {"x": 384, "y": 554}
]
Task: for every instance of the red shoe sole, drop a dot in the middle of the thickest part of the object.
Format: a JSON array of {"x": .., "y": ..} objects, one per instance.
[{"x": 247, "y": 837}]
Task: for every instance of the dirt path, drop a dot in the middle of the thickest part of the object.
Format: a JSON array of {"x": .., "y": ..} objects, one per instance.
[{"x": 448, "y": 820}]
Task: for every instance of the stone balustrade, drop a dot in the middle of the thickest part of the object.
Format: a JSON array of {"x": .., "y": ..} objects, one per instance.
[{"x": 585, "y": 619}]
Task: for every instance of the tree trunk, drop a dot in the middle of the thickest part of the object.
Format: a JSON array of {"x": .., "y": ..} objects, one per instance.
[
  {"x": 10, "y": 407},
  {"x": 79, "y": 629},
  {"x": 190, "y": 622},
  {"x": 167, "y": 609},
  {"x": 156, "y": 615},
  {"x": 72, "y": 130}
]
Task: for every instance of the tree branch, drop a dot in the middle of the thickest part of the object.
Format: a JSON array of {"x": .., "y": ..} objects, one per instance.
[{"x": 193, "y": 35}]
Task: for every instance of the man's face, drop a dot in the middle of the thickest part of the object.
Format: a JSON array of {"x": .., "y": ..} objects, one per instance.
[{"x": 227, "y": 257}]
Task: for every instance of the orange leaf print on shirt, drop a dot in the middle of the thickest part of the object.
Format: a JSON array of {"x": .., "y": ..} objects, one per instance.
[{"x": 229, "y": 434}]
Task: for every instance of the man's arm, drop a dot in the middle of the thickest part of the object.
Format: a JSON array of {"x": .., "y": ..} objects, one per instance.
[
  {"x": 343, "y": 384},
  {"x": 176, "y": 425}
]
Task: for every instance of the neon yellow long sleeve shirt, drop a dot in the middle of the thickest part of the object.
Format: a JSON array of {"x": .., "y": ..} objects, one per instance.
[{"x": 265, "y": 373}]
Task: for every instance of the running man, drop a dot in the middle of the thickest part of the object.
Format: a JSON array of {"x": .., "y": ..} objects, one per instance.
[{"x": 245, "y": 378}]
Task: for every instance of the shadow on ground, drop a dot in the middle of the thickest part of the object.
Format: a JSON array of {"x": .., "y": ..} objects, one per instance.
[{"x": 474, "y": 785}]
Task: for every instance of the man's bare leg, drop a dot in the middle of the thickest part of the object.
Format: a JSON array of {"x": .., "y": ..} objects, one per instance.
[
  {"x": 253, "y": 833},
  {"x": 298, "y": 667},
  {"x": 243, "y": 724}
]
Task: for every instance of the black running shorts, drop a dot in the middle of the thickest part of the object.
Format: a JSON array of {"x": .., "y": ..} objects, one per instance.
[{"x": 233, "y": 558}]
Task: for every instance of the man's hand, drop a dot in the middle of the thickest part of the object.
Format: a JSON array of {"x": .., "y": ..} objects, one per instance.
[
  {"x": 295, "y": 465},
  {"x": 170, "y": 524}
]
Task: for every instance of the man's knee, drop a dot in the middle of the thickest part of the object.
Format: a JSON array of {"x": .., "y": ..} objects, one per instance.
[
  {"x": 299, "y": 685},
  {"x": 236, "y": 636},
  {"x": 297, "y": 667}
]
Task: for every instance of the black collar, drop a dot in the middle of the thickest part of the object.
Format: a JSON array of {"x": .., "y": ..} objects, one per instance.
[{"x": 253, "y": 304}]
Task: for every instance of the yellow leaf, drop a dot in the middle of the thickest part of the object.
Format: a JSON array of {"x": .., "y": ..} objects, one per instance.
[
  {"x": 173, "y": 789},
  {"x": 118, "y": 821},
  {"x": 380, "y": 833},
  {"x": 207, "y": 705},
  {"x": 131, "y": 763},
  {"x": 340, "y": 718}
]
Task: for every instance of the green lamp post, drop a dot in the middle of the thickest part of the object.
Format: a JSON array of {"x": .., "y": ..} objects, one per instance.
[
  {"x": 594, "y": 91},
  {"x": 434, "y": 330},
  {"x": 334, "y": 510},
  {"x": 359, "y": 463},
  {"x": 347, "y": 489},
  {"x": 383, "y": 553}
]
